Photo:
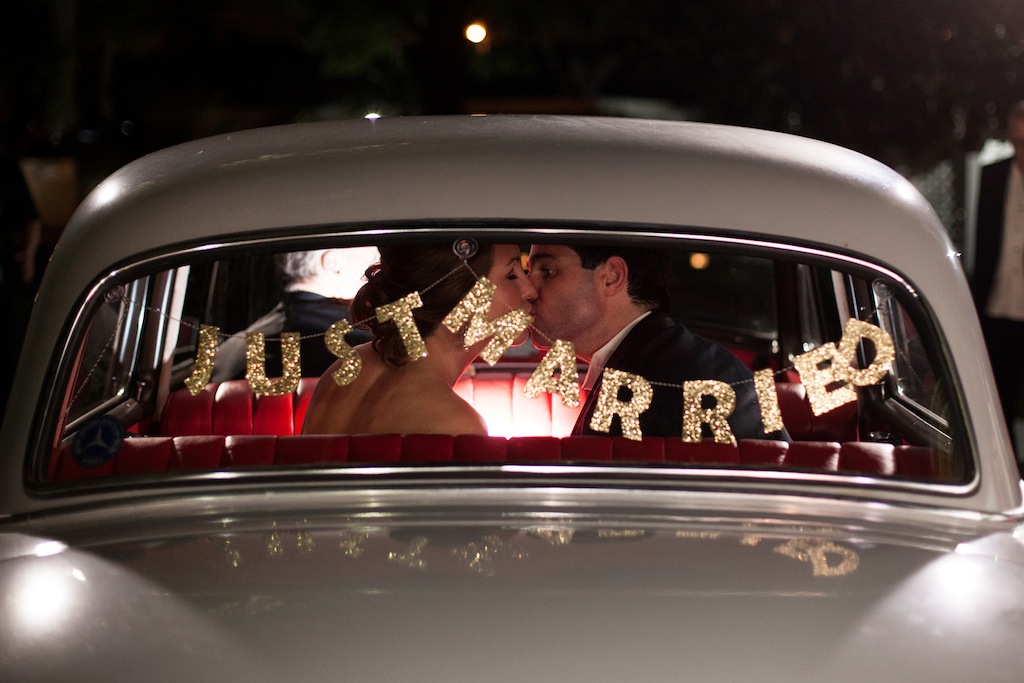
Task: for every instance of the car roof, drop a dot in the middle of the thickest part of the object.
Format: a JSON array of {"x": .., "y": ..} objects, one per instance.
[
  {"x": 535, "y": 168},
  {"x": 743, "y": 183}
]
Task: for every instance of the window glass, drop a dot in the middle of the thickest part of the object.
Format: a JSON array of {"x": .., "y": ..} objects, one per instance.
[
  {"x": 913, "y": 374},
  {"x": 143, "y": 366},
  {"x": 107, "y": 354},
  {"x": 730, "y": 293}
]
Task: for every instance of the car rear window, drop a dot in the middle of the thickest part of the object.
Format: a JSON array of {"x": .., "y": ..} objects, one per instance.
[{"x": 142, "y": 403}]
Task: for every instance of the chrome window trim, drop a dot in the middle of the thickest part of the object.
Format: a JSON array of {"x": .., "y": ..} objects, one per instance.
[{"x": 302, "y": 237}]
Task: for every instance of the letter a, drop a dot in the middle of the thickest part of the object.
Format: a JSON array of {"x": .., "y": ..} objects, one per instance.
[
  {"x": 474, "y": 307},
  {"x": 560, "y": 359}
]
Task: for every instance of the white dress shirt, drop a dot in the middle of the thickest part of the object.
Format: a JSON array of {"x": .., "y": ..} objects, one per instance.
[{"x": 602, "y": 355}]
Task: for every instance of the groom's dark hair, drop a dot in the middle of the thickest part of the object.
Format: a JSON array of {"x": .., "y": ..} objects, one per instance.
[{"x": 648, "y": 270}]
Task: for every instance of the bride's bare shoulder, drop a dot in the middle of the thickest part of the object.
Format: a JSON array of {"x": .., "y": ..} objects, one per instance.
[
  {"x": 438, "y": 412},
  {"x": 464, "y": 419},
  {"x": 326, "y": 404}
]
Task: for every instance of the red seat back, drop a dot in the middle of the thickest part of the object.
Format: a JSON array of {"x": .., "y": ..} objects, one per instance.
[
  {"x": 140, "y": 455},
  {"x": 231, "y": 408},
  {"x": 839, "y": 424}
]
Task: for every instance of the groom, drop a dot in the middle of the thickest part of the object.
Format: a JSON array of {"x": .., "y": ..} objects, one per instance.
[{"x": 610, "y": 303}]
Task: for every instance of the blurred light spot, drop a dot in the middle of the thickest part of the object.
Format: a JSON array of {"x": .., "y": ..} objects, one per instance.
[
  {"x": 946, "y": 34},
  {"x": 41, "y": 599},
  {"x": 962, "y": 583},
  {"x": 372, "y": 116},
  {"x": 127, "y": 128},
  {"x": 907, "y": 192},
  {"x": 476, "y": 33},
  {"x": 47, "y": 548},
  {"x": 77, "y": 574},
  {"x": 699, "y": 261},
  {"x": 107, "y": 191}
]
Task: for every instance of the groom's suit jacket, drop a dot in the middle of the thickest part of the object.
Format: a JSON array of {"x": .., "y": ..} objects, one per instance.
[{"x": 662, "y": 350}]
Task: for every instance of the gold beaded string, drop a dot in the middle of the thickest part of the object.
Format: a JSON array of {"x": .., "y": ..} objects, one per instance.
[{"x": 508, "y": 307}]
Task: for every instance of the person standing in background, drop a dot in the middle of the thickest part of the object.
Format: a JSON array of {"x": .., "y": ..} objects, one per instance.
[
  {"x": 318, "y": 288},
  {"x": 998, "y": 279}
]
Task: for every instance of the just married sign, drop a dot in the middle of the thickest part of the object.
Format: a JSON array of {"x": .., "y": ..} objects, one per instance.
[{"x": 829, "y": 372}]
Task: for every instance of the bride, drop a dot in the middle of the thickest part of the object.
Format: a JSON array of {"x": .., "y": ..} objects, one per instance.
[{"x": 393, "y": 393}]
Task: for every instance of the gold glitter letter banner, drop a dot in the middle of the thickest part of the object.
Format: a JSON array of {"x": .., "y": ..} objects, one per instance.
[
  {"x": 768, "y": 399},
  {"x": 256, "y": 364},
  {"x": 608, "y": 403},
  {"x": 820, "y": 368},
  {"x": 474, "y": 307},
  {"x": 351, "y": 364},
  {"x": 694, "y": 415},
  {"x": 556, "y": 374},
  {"x": 401, "y": 313},
  {"x": 885, "y": 352},
  {"x": 207, "y": 351},
  {"x": 827, "y": 373}
]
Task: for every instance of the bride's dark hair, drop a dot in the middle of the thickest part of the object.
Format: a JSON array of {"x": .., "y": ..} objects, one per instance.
[{"x": 405, "y": 269}]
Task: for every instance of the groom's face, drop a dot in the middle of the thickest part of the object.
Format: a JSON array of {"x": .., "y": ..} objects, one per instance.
[{"x": 567, "y": 305}]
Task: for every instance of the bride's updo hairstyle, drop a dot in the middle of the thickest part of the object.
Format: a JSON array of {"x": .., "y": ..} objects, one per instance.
[{"x": 406, "y": 269}]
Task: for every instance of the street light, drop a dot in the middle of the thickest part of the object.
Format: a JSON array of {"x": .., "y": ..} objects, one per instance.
[{"x": 476, "y": 33}]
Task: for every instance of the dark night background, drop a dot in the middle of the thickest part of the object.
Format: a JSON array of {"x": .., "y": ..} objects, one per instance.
[
  {"x": 914, "y": 83},
  {"x": 88, "y": 85}
]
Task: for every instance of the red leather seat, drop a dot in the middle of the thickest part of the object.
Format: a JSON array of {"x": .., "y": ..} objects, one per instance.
[
  {"x": 231, "y": 408},
  {"x": 651, "y": 449},
  {"x": 813, "y": 455},
  {"x": 877, "y": 458},
  {"x": 142, "y": 455},
  {"x": 498, "y": 397},
  {"x": 249, "y": 450},
  {"x": 187, "y": 415},
  {"x": 474, "y": 448},
  {"x": 763, "y": 452},
  {"x": 312, "y": 449},
  {"x": 839, "y": 424}
]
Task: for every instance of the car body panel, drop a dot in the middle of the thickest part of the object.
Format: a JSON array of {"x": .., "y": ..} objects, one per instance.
[
  {"x": 280, "y": 590},
  {"x": 351, "y": 176},
  {"x": 523, "y": 569}
]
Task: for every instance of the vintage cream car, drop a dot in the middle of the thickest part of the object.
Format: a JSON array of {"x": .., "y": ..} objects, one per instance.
[{"x": 161, "y": 522}]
